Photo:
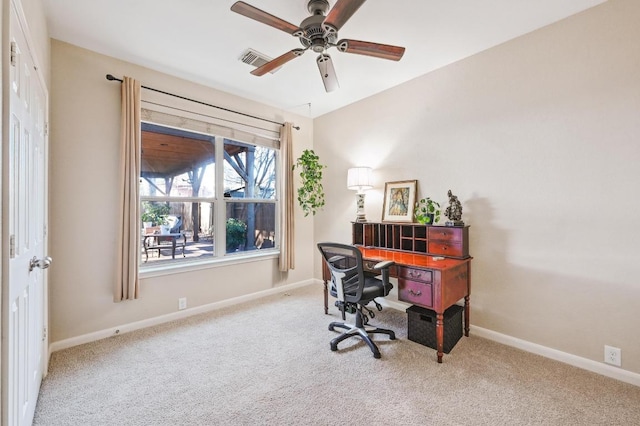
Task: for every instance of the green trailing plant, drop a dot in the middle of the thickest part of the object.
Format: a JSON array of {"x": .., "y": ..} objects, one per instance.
[
  {"x": 427, "y": 211},
  {"x": 236, "y": 234},
  {"x": 311, "y": 192}
]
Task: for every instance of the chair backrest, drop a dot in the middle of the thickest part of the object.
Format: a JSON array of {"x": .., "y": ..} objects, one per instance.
[
  {"x": 347, "y": 274},
  {"x": 176, "y": 223}
]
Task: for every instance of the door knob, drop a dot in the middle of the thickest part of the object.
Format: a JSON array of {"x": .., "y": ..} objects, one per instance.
[{"x": 40, "y": 263}]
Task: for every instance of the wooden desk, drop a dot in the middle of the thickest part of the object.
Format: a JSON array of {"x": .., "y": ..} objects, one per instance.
[{"x": 422, "y": 281}]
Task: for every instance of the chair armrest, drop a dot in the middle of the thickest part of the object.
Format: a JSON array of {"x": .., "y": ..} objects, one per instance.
[
  {"x": 384, "y": 264},
  {"x": 384, "y": 269}
]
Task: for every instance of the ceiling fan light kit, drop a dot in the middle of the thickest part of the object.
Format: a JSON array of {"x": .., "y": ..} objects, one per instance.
[{"x": 319, "y": 32}]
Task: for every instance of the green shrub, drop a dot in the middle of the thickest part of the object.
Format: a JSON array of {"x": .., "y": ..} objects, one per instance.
[{"x": 236, "y": 234}]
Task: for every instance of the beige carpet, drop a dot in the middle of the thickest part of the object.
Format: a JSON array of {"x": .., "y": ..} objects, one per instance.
[{"x": 269, "y": 363}]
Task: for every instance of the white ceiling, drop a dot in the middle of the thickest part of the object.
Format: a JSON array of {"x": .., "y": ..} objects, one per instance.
[{"x": 202, "y": 40}]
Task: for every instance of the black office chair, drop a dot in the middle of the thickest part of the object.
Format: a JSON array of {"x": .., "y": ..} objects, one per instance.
[{"x": 354, "y": 290}]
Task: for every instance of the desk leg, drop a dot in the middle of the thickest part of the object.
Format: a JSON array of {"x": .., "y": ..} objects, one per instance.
[
  {"x": 326, "y": 298},
  {"x": 467, "y": 304},
  {"x": 173, "y": 248},
  {"x": 440, "y": 335},
  {"x": 467, "y": 309}
]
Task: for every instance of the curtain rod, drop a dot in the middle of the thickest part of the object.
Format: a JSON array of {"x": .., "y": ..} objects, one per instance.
[{"x": 112, "y": 78}]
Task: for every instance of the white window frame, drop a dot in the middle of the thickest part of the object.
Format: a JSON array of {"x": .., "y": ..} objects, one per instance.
[{"x": 159, "y": 116}]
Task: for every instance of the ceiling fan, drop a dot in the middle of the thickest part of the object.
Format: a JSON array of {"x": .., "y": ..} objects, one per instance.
[{"x": 319, "y": 32}]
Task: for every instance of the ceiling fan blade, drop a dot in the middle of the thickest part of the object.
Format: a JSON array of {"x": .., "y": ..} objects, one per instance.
[
  {"x": 261, "y": 16},
  {"x": 378, "y": 50},
  {"x": 277, "y": 62},
  {"x": 327, "y": 72},
  {"x": 340, "y": 14}
]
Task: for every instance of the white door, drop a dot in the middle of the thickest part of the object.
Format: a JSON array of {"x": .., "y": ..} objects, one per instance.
[{"x": 24, "y": 304}]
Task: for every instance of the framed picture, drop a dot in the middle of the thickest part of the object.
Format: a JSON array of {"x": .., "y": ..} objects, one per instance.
[{"x": 399, "y": 201}]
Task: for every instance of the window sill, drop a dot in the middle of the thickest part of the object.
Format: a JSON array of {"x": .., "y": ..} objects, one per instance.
[{"x": 231, "y": 259}]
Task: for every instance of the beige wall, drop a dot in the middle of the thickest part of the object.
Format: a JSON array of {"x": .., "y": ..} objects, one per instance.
[
  {"x": 85, "y": 123},
  {"x": 539, "y": 139}
]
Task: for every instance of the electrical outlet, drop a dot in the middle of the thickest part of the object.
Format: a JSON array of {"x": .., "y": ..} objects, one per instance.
[
  {"x": 612, "y": 355},
  {"x": 182, "y": 303}
]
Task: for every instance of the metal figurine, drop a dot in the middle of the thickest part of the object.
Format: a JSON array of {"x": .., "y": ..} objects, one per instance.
[{"x": 454, "y": 211}]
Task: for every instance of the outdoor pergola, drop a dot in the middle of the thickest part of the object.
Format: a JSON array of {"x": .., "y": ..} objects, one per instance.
[{"x": 168, "y": 153}]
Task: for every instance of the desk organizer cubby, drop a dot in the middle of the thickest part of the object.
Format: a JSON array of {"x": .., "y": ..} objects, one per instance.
[{"x": 447, "y": 241}]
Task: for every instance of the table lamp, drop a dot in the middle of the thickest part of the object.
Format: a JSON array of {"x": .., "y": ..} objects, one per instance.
[{"x": 359, "y": 179}]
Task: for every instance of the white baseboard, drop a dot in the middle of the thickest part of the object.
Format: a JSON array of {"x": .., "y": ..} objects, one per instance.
[
  {"x": 126, "y": 328},
  {"x": 574, "y": 360}
]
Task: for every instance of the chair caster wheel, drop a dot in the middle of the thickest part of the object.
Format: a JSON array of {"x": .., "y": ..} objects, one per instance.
[
  {"x": 334, "y": 347},
  {"x": 392, "y": 337},
  {"x": 376, "y": 355},
  {"x": 331, "y": 327}
]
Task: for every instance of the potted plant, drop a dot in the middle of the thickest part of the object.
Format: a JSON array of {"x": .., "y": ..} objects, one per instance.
[
  {"x": 311, "y": 192},
  {"x": 154, "y": 214},
  {"x": 427, "y": 211}
]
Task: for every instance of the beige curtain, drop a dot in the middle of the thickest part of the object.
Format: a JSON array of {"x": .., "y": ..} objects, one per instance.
[
  {"x": 129, "y": 232},
  {"x": 286, "y": 189}
]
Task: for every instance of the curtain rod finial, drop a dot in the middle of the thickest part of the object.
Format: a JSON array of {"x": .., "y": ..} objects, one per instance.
[
  {"x": 292, "y": 126},
  {"x": 110, "y": 77}
]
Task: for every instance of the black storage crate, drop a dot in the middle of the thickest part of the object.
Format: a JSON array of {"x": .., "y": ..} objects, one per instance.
[{"x": 422, "y": 326}]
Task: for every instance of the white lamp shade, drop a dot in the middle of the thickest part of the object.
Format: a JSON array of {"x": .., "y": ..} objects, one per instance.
[{"x": 359, "y": 178}]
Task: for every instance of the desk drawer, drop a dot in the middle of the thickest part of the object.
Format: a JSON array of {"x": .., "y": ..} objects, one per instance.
[
  {"x": 415, "y": 274},
  {"x": 415, "y": 292},
  {"x": 447, "y": 249},
  {"x": 445, "y": 234}
]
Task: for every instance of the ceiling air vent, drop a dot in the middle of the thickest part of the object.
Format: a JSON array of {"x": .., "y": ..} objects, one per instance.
[{"x": 256, "y": 59}]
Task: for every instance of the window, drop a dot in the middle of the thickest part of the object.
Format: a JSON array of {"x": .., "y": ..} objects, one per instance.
[{"x": 185, "y": 198}]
